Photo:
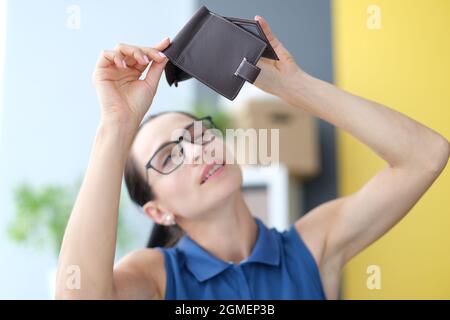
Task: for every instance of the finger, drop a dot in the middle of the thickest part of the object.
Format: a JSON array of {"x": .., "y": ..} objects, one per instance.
[
  {"x": 139, "y": 67},
  {"x": 163, "y": 44},
  {"x": 277, "y": 46},
  {"x": 155, "y": 52},
  {"x": 268, "y": 32},
  {"x": 106, "y": 59},
  {"x": 133, "y": 52},
  {"x": 154, "y": 73},
  {"x": 119, "y": 60},
  {"x": 132, "y": 62},
  {"x": 110, "y": 57}
]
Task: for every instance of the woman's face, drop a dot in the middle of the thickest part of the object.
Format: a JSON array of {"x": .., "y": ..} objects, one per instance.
[{"x": 183, "y": 192}]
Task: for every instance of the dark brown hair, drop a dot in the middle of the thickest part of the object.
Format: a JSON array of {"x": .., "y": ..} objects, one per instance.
[{"x": 141, "y": 192}]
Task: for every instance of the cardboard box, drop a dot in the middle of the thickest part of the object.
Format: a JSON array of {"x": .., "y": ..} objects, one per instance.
[{"x": 298, "y": 133}]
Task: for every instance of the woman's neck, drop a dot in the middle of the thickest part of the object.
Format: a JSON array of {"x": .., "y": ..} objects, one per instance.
[{"x": 228, "y": 232}]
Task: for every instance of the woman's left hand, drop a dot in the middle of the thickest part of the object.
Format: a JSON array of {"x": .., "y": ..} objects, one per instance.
[{"x": 275, "y": 75}]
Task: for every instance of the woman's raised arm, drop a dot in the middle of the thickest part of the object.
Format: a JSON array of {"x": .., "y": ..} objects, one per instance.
[
  {"x": 90, "y": 238},
  {"x": 415, "y": 154}
]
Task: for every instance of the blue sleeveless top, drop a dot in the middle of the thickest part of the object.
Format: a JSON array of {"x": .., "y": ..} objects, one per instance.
[{"x": 280, "y": 266}]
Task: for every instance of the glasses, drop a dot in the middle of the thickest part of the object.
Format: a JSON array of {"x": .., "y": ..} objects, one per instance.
[{"x": 170, "y": 155}]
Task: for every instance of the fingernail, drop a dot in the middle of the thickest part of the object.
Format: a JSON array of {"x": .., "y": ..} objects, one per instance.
[
  {"x": 124, "y": 64},
  {"x": 146, "y": 59},
  {"x": 162, "y": 54}
]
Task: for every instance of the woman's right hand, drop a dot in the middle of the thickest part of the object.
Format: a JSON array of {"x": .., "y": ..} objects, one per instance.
[{"x": 124, "y": 98}]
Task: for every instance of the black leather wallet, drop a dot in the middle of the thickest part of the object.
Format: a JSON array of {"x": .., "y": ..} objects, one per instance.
[{"x": 221, "y": 52}]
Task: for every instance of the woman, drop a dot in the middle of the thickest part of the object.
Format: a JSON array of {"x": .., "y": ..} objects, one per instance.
[{"x": 225, "y": 252}]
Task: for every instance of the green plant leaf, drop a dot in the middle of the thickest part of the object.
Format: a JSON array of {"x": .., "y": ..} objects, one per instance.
[{"x": 41, "y": 216}]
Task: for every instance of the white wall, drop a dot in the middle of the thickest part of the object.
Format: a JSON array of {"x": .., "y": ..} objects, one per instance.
[{"x": 50, "y": 111}]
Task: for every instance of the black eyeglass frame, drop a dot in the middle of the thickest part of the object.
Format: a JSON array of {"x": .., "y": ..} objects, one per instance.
[{"x": 177, "y": 142}]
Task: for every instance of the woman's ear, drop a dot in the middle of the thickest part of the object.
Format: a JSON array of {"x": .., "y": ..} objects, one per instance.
[
  {"x": 151, "y": 210},
  {"x": 156, "y": 212}
]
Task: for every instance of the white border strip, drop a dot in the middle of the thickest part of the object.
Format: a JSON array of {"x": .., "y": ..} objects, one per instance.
[{"x": 3, "y": 23}]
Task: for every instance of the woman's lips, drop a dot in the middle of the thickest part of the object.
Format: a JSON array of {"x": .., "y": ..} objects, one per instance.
[{"x": 215, "y": 174}]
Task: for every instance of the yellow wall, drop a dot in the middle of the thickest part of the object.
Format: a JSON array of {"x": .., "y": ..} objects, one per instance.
[{"x": 406, "y": 66}]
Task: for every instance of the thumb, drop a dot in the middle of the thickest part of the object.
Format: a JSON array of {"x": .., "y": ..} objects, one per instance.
[
  {"x": 274, "y": 42},
  {"x": 154, "y": 73}
]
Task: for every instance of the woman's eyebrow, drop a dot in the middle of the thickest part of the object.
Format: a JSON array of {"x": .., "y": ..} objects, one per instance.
[{"x": 167, "y": 142}]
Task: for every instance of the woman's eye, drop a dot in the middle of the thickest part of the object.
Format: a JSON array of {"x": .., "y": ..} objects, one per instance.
[{"x": 166, "y": 160}]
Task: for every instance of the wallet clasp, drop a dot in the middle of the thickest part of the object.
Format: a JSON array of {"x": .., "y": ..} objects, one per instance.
[{"x": 247, "y": 71}]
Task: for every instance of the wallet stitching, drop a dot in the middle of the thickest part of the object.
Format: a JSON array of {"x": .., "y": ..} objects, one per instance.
[{"x": 231, "y": 97}]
